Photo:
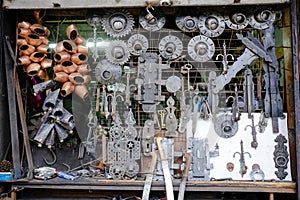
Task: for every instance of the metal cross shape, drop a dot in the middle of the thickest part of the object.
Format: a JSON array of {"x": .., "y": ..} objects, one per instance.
[
  {"x": 224, "y": 58},
  {"x": 243, "y": 167}
]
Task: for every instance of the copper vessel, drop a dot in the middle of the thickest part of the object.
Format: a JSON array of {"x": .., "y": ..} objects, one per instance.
[
  {"x": 79, "y": 58},
  {"x": 21, "y": 42},
  {"x": 81, "y": 91},
  {"x": 80, "y": 40},
  {"x": 24, "y": 24},
  {"x": 46, "y": 63},
  {"x": 66, "y": 89},
  {"x": 61, "y": 77},
  {"x": 23, "y": 60},
  {"x": 33, "y": 39},
  {"x": 84, "y": 69},
  {"x": 41, "y": 74},
  {"x": 37, "y": 57},
  {"x": 43, "y": 49},
  {"x": 61, "y": 57},
  {"x": 76, "y": 78},
  {"x": 45, "y": 40},
  {"x": 69, "y": 67},
  {"x": 24, "y": 32},
  {"x": 87, "y": 79},
  {"x": 82, "y": 49},
  {"x": 72, "y": 32},
  {"x": 32, "y": 69},
  {"x": 40, "y": 29},
  {"x": 26, "y": 49},
  {"x": 66, "y": 45}
]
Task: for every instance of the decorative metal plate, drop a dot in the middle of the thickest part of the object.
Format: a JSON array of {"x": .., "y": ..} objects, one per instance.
[
  {"x": 154, "y": 24},
  {"x": 170, "y": 47},
  {"x": 261, "y": 18},
  {"x": 236, "y": 20},
  {"x": 201, "y": 48},
  {"x": 173, "y": 84},
  {"x": 137, "y": 44},
  {"x": 117, "y": 23},
  {"x": 187, "y": 23},
  {"x": 211, "y": 24},
  {"x": 224, "y": 126},
  {"x": 117, "y": 52},
  {"x": 106, "y": 72}
]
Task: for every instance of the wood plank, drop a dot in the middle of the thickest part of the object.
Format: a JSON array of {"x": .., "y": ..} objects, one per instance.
[{"x": 49, "y": 4}]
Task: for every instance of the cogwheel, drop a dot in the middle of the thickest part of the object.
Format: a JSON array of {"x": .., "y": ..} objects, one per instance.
[
  {"x": 236, "y": 20},
  {"x": 137, "y": 44},
  {"x": 261, "y": 18},
  {"x": 211, "y": 24},
  {"x": 151, "y": 22},
  {"x": 201, "y": 48},
  {"x": 170, "y": 47},
  {"x": 117, "y": 23},
  {"x": 106, "y": 72},
  {"x": 117, "y": 52},
  {"x": 187, "y": 23}
]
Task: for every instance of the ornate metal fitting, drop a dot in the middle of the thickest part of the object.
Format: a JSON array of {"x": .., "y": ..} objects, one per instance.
[
  {"x": 211, "y": 24},
  {"x": 254, "y": 143},
  {"x": 248, "y": 86},
  {"x": 118, "y": 23},
  {"x": 261, "y": 18},
  {"x": 224, "y": 58},
  {"x": 187, "y": 23},
  {"x": 281, "y": 157},
  {"x": 107, "y": 72},
  {"x": 201, "y": 48},
  {"x": 236, "y": 20},
  {"x": 148, "y": 137},
  {"x": 224, "y": 126},
  {"x": 152, "y": 22},
  {"x": 117, "y": 52},
  {"x": 256, "y": 173},
  {"x": 173, "y": 84},
  {"x": 171, "y": 120},
  {"x": 243, "y": 167},
  {"x": 138, "y": 44},
  {"x": 170, "y": 47}
]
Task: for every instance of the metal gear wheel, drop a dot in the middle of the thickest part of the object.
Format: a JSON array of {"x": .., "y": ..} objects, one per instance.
[
  {"x": 117, "y": 52},
  {"x": 211, "y": 24},
  {"x": 132, "y": 168},
  {"x": 117, "y": 171},
  {"x": 137, "y": 44},
  {"x": 236, "y": 20},
  {"x": 201, "y": 48},
  {"x": 151, "y": 22},
  {"x": 224, "y": 126},
  {"x": 187, "y": 23},
  {"x": 106, "y": 72},
  {"x": 170, "y": 47},
  {"x": 261, "y": 18},
  {"x": 117, "y": 23}
]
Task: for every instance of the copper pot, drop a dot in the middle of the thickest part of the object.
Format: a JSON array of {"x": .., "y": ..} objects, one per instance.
[
  {"x": 76, "y": 78},
  {"x": 41, "y": 74},
  {"x": 45, "y": 40},
  {"x": 79, "y": 58},
  {"x": 69, "y": 67},
  {"x": 40, "y": 29},
  {"x": 43, "y": 49},
  {"x": 24, "y": 24},
  {"x": 84, "y": 69},
  {"x": 80, "y": 40},
  {"x": 72, "y": 32},
  {"x": 61, "y": 57},
  {"x": 82, "y": 49},
  {"x": 32, "y": 69},
  {"x": 24, "y": 60},
  {"x": 26, "y": 49},
  {"x": 37, "y": 57},
  {"x": 58, "y": 68},
  {"x": 87, "y": 79},
  {"x": 66, "y": 45},
  {"x": 66, "y": 89},
  {"x": 24, "y": 32},
  {"x": 61, "y": 77},
  {"x": 46, "y": 63},
  {"x": 21, "y": 42},
  {"x": 33, "y": 39},
  {"x": 81, "y": 91}
]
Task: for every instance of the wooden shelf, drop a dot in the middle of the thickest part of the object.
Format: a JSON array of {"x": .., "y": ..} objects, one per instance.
[{"x": 137, "y": 185}]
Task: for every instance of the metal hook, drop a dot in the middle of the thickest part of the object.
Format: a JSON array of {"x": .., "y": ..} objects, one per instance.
[{"x": 54, "y": 158}]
